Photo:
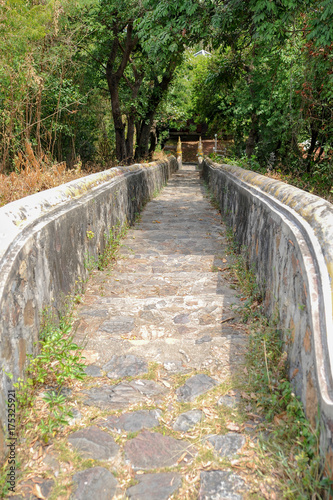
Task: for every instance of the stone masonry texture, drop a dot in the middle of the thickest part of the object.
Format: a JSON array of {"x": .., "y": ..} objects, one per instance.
[
  {"x": 45, "y": 251},
  {"x": 287, "y": 236},
  {"x": 163, "y": 295}
]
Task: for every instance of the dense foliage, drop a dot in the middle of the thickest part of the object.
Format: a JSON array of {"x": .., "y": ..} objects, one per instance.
[
  {"x": 63, "y": 62},
  {"x": 269, "y": 84},
  {"x": 47, "y": 97},
  {"x": 99, "y": 79}
]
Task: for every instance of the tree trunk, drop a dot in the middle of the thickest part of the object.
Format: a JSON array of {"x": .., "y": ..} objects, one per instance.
[
  {"x": 119, "y": 126},
  {"x": 130, "y": 137},
  {"x": 142, "y": 150},
  {"x": 153, "y": 139},
  {"x": 309, "y": 155},
  {"x": 253, "y": 136},
  {"x": 113, "y": 78}
]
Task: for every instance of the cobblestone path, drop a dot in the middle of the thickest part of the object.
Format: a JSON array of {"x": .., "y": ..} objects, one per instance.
[{"x": 159, "y": 413}]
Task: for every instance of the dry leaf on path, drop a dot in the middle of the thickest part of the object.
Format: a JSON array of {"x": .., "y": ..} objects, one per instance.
[
  {"x": 227, "y": 319},
  {"x": 38, "y": 492},
  {"x": 180, "y": 459},
  {"x": 232, "y": 427},
  {"x": 282, "y": 417},
  {"x": 164, "y": 382}
]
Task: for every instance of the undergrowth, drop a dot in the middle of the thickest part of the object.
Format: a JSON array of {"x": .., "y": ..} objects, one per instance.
[
  {"x": 112, "y": 243},
  {"x": 33, "y": 175},
  {"x": 59, "y": 362},
  {"x": 41, "y": 407}
]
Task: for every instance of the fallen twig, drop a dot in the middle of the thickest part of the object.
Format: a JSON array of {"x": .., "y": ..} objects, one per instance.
[{"x": 227, "y": 319}]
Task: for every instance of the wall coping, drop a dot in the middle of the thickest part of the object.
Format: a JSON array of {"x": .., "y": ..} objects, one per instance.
[
  {"x": 19, "y": 214},
  {"x": 315, "y": 210},
  {"x": 312, "y": 216}
]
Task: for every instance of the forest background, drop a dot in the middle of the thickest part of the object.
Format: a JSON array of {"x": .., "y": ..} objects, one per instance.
[{"x": 89, "y": 84}]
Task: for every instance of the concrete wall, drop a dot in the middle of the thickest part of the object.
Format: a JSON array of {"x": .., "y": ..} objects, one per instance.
[
  {"x": 289, "y": 238},
  {"x": 44, "y": 249}
]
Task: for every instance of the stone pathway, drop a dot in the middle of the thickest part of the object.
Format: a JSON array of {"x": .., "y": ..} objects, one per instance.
[{"x": 164, "y": 349}]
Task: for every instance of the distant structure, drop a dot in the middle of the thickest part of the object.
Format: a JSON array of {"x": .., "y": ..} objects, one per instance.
[{"x": 202, "y": 52}]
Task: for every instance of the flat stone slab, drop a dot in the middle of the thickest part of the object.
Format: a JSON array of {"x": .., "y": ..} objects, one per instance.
[
  {"x": 187, "y": 420},
  {"x": 229, "y": 400},
  {"x": 118, "y": 325},
  {"x": 155, "y": 486},
  {"x": 126, "y": 365},
  {"x": 94, "y": 443},
  {"x": 181, "y": 319},
  {"x": 202, "y": 340},
  {"x": 173, "y": 366},
  {"x": 151, "y": 450},
  {"x": 227, "y": 445},
  {"x": 132, "y": 422},
  {"x": 93, "y": 371},
  {"x": 96, "y": 482},
  {"x": 221, "y": 485},
  {"x": 194, "y": 387},
  {"x": 123, "y": 394}
]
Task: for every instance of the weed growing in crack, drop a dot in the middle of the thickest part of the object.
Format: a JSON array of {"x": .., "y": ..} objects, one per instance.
[
  {"x": 90, "y": 262},
  {"x": 112, "y": 243},
  {"x": 41, "y": 407}
]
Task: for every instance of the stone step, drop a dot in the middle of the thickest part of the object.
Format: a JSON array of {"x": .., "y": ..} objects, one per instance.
[
  {"x": 174, "y": 224},
  {"x": 205, "y": 310},
  {"x": 161, "y": 285},
  {"x": 167, "y": 233},
  {"x": 185, "y": 246},
  {"x": 221, "y": 354},
  {"x": 171, "y": 263}
]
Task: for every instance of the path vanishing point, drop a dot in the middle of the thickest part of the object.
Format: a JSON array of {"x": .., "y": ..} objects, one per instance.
[{"x": 164, "y": 348}]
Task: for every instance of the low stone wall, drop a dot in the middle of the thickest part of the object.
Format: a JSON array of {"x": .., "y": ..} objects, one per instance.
[
  {"x": 45, "y": 248},
  {"x": 288, "y": 235}
]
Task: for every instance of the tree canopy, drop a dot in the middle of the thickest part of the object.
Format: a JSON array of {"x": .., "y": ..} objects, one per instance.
[{"x": 93, "y": 79}]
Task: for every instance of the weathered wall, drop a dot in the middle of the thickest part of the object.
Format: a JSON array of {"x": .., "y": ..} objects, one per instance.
[
  {"x": 44, "y": 249},
  {"x": 289, "y": 238}
]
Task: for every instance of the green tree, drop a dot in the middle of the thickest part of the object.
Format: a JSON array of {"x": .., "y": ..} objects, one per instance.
[{"x": 139, "y": 46}]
